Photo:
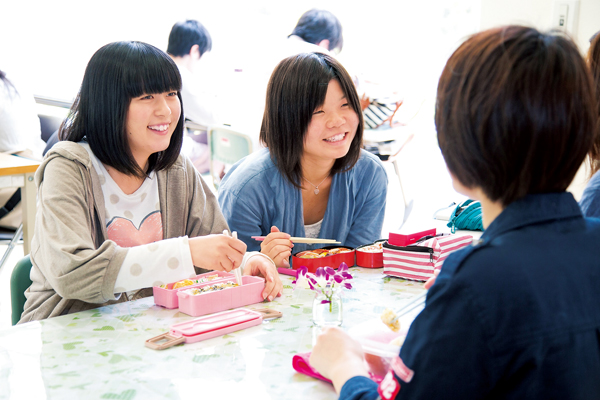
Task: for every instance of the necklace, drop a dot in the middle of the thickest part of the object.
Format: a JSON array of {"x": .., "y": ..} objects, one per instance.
[{"x": 317, "y": 186}]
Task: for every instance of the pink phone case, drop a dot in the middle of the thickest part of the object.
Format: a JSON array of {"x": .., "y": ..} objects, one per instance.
[
  {"x": 168, "y": 297},
  {"x": 206, "y": 303}
]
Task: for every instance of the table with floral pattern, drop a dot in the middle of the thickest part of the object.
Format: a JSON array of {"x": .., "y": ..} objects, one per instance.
[{"x": 100, "y": 354}]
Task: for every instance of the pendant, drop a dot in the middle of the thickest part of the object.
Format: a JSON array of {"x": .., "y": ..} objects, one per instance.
[{"x": 316, "y": 190}]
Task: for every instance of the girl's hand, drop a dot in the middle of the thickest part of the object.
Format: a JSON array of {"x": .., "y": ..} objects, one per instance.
[
  {"x": 278, "y": 246},
  {"x": 431, "y": 280},
  {"x": 338, "y": 357},
  {"x": 217, "y": 252},
  {"x": 261, "y": 266}
]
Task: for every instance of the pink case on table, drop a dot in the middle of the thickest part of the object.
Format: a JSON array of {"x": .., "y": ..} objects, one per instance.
[
  {"x": 168, "y": 297},
  {"x": 206, "y": 327},
  {"x": 206, "y": 303}
]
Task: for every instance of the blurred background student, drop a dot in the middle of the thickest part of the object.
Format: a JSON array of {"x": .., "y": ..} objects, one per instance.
[{"x": 189, "y": 41}]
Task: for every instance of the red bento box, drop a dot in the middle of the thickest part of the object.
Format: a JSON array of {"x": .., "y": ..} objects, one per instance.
[
  {"x": 332, "y": 261},
  {"x": 370, "y": 259}
]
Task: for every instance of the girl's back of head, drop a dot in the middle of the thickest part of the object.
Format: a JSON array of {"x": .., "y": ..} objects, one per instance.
[
  {"x": 515, "y": 112},
  {"x": 117, "y": 73}
]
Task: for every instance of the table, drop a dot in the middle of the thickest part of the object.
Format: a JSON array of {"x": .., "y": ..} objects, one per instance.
[
  {"x": 100, "y": 353},
  {"x": 18, "y": 172}
]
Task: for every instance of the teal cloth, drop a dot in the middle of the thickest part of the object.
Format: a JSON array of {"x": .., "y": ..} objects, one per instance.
[{"x": 466, "y": 216}]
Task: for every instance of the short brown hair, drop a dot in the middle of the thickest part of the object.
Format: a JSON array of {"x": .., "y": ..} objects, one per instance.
[
  {"x": 297, "y": 87},
  {"x": 515, "y": 112}
]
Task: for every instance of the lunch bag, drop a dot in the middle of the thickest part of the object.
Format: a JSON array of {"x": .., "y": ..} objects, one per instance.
[
  {"x": 466, "y": 216},
  {"x": 418, "y": 260}
]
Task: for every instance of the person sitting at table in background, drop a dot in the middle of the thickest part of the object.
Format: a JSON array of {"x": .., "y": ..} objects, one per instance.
[
  {"x": 516, "y": 315},
  {"x": 20, "y": 134},
  {"x": 119, "y": 209},
  {"x": 188, "y": 41},
  {"x": 313, "y": 180},
  {"x": 590, "y": 198}
]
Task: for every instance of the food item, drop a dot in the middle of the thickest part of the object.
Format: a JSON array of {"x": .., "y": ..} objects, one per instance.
[
  {"x": 372, "y": 248},
  {"x": 339, "y": 250},
  {"x": 319, "y": 253},
  {"x": 183, "y": 283},
  {"x": 398, "y": 341},
  {"x": 188, "y": 282},
  {"x": 389, "y": 318},
  {"x": 211, "y": 288}
]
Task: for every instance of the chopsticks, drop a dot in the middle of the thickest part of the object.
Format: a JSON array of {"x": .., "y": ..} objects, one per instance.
[
  {"x": 416, "y": 302},
  {"x": 301, "y": 240},
  {"x": 237, "y": 272}
]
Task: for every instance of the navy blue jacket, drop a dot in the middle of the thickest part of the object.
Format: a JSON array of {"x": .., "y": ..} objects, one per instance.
[{"x": 516, "y": 316}]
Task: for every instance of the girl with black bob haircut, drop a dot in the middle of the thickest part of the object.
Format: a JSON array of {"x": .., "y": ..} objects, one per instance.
[
  {"x": 313, "y": 180},
  {"x": 119, "y": 209},
  {"x": 516, "y": 315},
  {"x": 103, "y": 126}
]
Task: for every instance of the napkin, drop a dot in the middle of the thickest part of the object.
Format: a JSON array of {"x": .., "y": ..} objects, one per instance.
[{"x": 301, "y": 364}]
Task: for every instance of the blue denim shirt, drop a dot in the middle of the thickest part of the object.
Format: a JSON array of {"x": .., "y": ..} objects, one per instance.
[
  {"x": 516, "y": 316},
  {"x": 254, "y": 196},
  {"x": 590, "y": 198}
]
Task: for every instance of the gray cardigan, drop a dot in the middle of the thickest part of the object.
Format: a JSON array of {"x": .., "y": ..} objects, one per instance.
[{"x": 74, "y": 265}]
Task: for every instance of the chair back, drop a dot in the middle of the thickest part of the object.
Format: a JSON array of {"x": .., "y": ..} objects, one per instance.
[
  {"x": 226, "y": 148},
  {"x": 19, "y": 282}
]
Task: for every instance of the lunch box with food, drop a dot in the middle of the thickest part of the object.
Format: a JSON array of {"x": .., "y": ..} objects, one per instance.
[
  {"x": 330, "y": 256},
  {"x": 211, "y": 297},
  {"x": 166, "y": 295},
  {"x": 370, "y": 255}
]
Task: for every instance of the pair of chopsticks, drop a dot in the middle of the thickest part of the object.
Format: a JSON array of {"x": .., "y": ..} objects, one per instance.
[
  {"x": 237, "y": 272},
  {"x": 416, "y": 302},
  {"x": 301, "y": 240}
]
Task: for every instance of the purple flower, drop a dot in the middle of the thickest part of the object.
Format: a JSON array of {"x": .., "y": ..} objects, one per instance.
[{"x": 325, "y": 279}]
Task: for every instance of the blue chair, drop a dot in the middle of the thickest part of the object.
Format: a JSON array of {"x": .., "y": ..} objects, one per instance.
[{"x": 19, "y": 282}]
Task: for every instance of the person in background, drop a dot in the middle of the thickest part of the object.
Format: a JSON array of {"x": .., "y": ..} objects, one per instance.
[
  {"x": 590, "y": 198},
  {"x": 120, "y": 210},
  {"x": 313, "y": 180},
  {"x": 516, "y": 315},
  {"x": 316, "y": 31},
  {"x": 189, "y": 41},
  {"x": 20, "y": 135}
]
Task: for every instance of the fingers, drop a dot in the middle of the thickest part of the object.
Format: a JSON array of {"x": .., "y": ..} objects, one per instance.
[
  {"x": 273, "y": 285},
  {"x": 429, "y": 283}
]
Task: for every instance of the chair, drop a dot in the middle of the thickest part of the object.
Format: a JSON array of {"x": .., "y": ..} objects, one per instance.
[
  {"x": 382, "y": 141},
  {"x": 226, "y": 148},
  {"x": 19, "y": 282}
]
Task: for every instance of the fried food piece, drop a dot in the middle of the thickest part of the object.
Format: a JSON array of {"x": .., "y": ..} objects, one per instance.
[
  {"x": 389, "y": 318},
  {"x": 183, "y": 283}
]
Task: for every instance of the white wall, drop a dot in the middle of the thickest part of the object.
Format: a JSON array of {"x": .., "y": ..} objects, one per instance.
[{"x": 538, "y": 13}]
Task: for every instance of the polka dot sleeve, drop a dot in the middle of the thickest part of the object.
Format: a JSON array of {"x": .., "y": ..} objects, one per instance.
[{"x": 155, "y": 264}]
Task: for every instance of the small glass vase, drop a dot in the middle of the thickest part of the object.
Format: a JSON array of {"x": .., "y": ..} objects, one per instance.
[{"x": 325, "y": 312}]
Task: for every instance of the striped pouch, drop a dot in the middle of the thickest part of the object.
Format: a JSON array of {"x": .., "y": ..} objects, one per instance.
[{"x": 419, "y": 260}]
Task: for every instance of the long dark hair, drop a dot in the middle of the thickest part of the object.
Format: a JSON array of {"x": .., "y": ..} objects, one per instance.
[
  {"x": 117, "y": 73},
  {"x": 593, "y": 60},
  {"x": 297, "y": 87}
]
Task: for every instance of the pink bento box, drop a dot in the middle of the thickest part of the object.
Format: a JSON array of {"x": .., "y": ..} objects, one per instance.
[
  {"x": 206, "y": 303},
  {"x": 168, "y": 297}
]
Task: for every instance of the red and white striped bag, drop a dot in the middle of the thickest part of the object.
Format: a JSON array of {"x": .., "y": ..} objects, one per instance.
[{"x": 419, "y": 260}]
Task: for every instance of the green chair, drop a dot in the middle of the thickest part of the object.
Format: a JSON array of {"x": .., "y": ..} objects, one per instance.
[
  {"x": 19, "y": 282},
  {"x": 226, "y": 148}
]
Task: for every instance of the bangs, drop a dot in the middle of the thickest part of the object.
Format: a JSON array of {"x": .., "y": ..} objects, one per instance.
[{"x": 154, "y": 72}]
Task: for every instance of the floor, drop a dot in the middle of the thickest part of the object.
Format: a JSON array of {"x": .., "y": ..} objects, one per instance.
[{"x": 424, "y": 178}]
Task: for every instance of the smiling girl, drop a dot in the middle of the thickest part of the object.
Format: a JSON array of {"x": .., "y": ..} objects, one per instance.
[
  {"x": 313, "y": 180},
  {"x": 119, "y": 210}
]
